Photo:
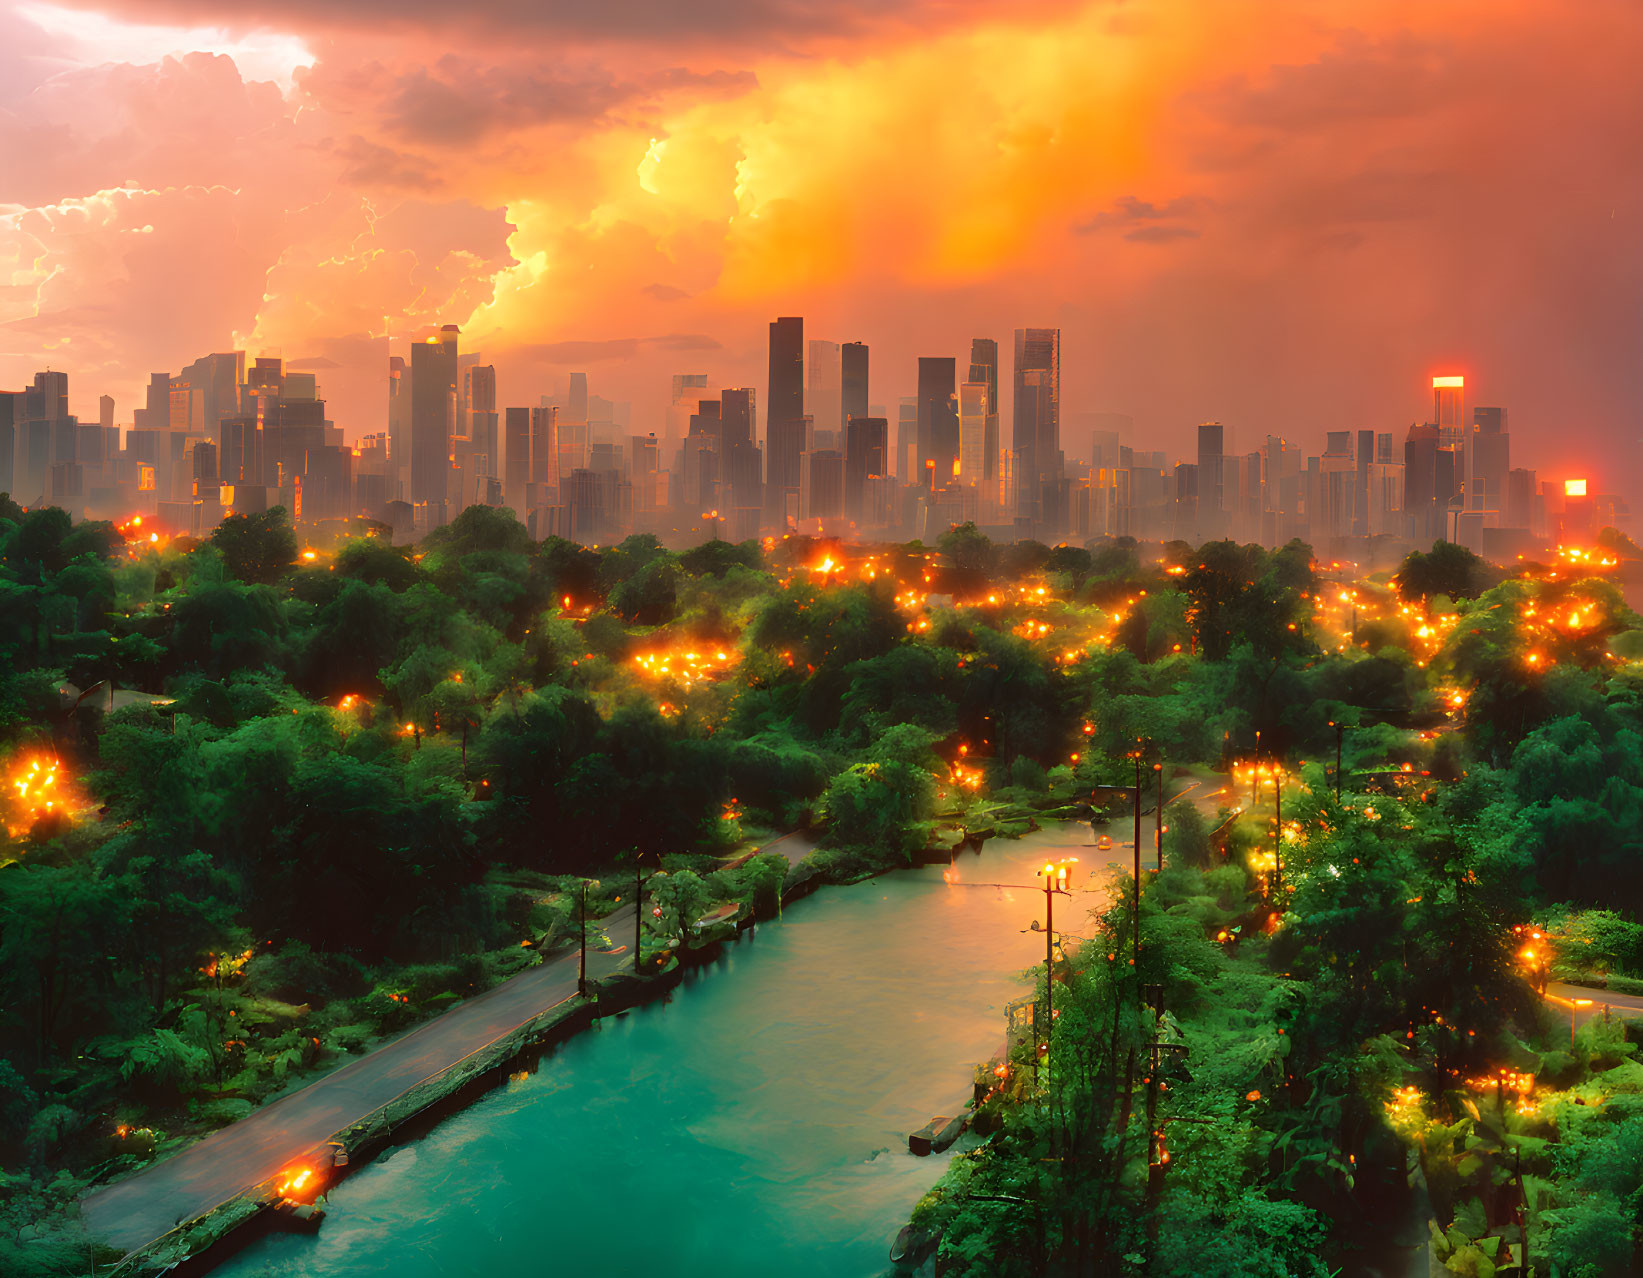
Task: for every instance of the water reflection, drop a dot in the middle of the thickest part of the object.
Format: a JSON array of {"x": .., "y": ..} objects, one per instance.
[{"x": 755, "y": 1124}]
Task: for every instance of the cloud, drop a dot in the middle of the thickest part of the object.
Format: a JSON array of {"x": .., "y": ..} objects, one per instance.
[
  {"x": 664, "y": 293},
  {"x": 1160, "y": 234}
]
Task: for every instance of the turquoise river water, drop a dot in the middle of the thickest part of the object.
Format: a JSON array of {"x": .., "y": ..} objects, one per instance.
[{"x": 753, "y": 1124}]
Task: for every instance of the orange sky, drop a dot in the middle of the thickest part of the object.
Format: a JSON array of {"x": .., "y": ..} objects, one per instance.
[{"x": 1284, "y": 214}]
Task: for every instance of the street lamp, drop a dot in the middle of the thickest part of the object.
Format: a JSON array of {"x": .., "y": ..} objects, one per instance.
[
  {"x": 639, "y": 901},
  {"x": 1054, "y": 875},
  {"x": 1158, "y": 818},
  {"x": 1278, "y": 830},
  {"x": 1340, "y": 734}
]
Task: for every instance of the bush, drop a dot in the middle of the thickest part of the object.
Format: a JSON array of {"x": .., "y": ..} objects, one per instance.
[{"x": 1186, "y": 835}]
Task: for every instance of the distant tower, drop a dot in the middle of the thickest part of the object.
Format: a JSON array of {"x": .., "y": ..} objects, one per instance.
[
  {"x": 1036, "y": 430},
  {"x": 984, "y": 369},
  {"x": 433, "y": 402},
  {"x": 784, "y": 415},
  {"x": 853, "y": 361},
  {"x": 937, "y": 417}
]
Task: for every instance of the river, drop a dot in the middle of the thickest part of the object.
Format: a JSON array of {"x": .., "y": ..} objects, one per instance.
[{"x": 753, "y": 1124}]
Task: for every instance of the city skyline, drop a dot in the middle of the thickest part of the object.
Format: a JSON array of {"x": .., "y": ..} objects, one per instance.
[{"x": 1282, "y": 230}]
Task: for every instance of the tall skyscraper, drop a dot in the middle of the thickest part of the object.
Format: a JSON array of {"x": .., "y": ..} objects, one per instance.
[
  {"x": 866, "y": 453},
  {"x": 517, "y": 467},
  {"x": 1211, "y": 448},
  {"x": 479, "y": 393},
  {"x": 824, "y": 396},
  {"x": 1493, "y": 447},
  {"x": 937, "y": 418},
  {"x": 853, "y": 376},
  {"x": 433, "y": 403},
  {"x": 1036, "y": 430},
  {"x": 1449, "y": 410},
  {"x": 984, "y": 369},
  {"x": 907, "y": 439},
  {"x": 973, "y": 410},
  {"x": 784, "y": 420}
]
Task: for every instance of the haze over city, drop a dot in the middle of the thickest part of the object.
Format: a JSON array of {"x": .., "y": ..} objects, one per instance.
[{"x": 1286, "y": 224}]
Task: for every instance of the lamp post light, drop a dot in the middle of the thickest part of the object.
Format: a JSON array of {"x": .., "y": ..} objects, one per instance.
[
  {"x": 1158, "y": 818},
  {"x": 1340, "y": 735},
  {"x": 1278, "y": 830},
  {"x": 1054, "y": 875}
]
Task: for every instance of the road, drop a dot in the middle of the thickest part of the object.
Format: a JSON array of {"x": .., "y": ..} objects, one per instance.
[
  {"x": 133, "y": 1212},
  {"x": 1582, "y": 1002}
]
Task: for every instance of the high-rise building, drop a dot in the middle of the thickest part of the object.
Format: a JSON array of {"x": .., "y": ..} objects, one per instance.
[
  {"x": 984, "y": 369},
  {"x": 1036, "y": 429},
  {"x": 1449, "y": 410},
  {"x": 517, "y": 464},
  {"x": 853, "y": 379},
  {"x": 547, "y": 469},
  {"x": 974, "y": 408},
  {"x": 433, "y": 404},
  {"x": 479, "y": 394},
  {"x": 1211, "y": 448},
  {"x": 937, "y": 418},
  {"x": 824, "y": 394},
  {"x": 907, "y": 439},
  {"x": 784, "y": 421},
  {"x": 576, "y": 406},
  {"x": 866, "y": 454},
  {"x": 740, "y": 459},
  {"x": 1492, "y": 445}
]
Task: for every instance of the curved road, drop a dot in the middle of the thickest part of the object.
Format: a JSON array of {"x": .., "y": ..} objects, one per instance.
[{"x": 134, "y": 1212}]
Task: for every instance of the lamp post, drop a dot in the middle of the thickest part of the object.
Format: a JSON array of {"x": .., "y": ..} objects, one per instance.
[
  {"x": 1158, "y": 818},
  {"x": 1278, "y": 830},
  {"x": 1340, "y": 735},
  {"x": 1054, "y": 875},
  {"x": 1136, "y": 956},
  {"x": 638, "y": 904}
]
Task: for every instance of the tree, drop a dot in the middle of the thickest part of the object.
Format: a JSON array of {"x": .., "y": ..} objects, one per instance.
[
  {"x": 1448, "y": 569},
  {"x": 258, "y": 547}
]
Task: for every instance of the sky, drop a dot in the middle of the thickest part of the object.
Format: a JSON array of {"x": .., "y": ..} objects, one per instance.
[{"x": 1285, "y": 215}]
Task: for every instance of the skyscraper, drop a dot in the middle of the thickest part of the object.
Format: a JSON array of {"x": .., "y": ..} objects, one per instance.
[
  {"x": 1211, "y": 448},
  {"x": 1036, "y": 430},
  {"x": 974, "y": 408},
  {"x": 1493, "y": 446},
  {"x": 517, "y": 472},
  {"x": 784, "y": 420},
  {"x": 866, "y": 453},
  {"x": 853, "y": 376},
  {"x": 433, "y": 401},
  {"x": 1449, "y": 410},
  {"x": 824, "y": 398},
  {"x": 984, "y": 369},
  {"x": 937, "y": 418},
  {"x": 479, "y": 393}
]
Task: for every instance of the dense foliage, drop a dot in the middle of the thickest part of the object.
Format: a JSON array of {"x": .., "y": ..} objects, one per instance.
[{"x": 269, "y": 801}]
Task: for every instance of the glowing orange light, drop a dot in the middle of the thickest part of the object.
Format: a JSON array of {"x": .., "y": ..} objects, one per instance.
[
  {"x": 1574, "y": 487},
  {"x": 1448, "y": 383}
]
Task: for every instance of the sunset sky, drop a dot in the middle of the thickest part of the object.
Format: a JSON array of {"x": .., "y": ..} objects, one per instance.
[{"x": 1285, "y": 214}]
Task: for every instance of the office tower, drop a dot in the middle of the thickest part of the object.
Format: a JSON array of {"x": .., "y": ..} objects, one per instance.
[
  {"x": 1493, "y": 446},
  {"x": 737, "y": 408},
  {"x": 702, "y": 455},
  {"x": 824, "y": 396},
  {"x": 825, "y": 491},
  {"x": 10, "y": 403},
  {"x": 433, "y": 400},
  {"x": 239, "y": 450},
  {"x": 399, "y": 425},
  {"x": 866, "y": 453},
  {"x": 576, "y": 406},
  {"x": 1449, "y": 409},
  {"x": 1520, "y": 496},
  {"x": 740, "y": 457},
  {"x": 517, "y": 459},
  {"x": 1036, "y": 429},
  {"x": 973, "y": 411},
  {"x": 1211, "y": 446},
  {"x": 479, "y": 393},
  {"x": 1362, "y": 458},
  {"x": 784, "y": 421},
  {"x": 546, "y": 462},
  {"x": 984, "y": 369},
  {"x": 207, "y": 391},
  {"x": 853, "y": 379},
  {"x": 907, "y": 438},
  {"x": 105, "y": 411},
  {"x": 689, "y": 390},
  {"x": 937, "y": 419}
]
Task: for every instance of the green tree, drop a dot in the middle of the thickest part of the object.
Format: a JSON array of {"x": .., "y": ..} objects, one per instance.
[{"x": 257, "y": 548}]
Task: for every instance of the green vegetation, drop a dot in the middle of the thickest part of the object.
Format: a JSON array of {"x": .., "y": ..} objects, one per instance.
[{"x": 339, "y": 787}]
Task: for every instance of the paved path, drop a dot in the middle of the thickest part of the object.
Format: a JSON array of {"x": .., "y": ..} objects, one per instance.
[
  {"x": 141, "y": 1208},
  {"x": 1582, "y": 1002}
]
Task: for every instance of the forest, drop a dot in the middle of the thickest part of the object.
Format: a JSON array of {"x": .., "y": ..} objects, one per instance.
[{"x": 269, "y": 797}]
